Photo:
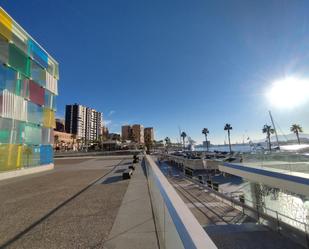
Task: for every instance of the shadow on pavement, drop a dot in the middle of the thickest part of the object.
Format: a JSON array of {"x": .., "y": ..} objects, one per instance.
[{"x": 112, "y": 179}]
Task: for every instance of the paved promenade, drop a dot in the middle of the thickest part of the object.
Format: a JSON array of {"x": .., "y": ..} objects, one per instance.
[
  {"x": 73, "y": 206},
  {"x": 134, "y": 226}
]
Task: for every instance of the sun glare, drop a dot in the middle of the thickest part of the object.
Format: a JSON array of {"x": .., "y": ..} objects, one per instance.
[{"x": 288, "y": 93}]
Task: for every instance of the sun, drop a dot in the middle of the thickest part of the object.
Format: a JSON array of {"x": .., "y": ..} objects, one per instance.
[{"x": 288, "y": 93}]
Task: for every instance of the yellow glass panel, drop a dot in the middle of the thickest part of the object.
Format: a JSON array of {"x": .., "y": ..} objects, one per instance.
[
  {"x": 27, "y": 156},
  {"x": 5, "y": 25},
  {"x": 9, "y": 157},
  {"x": 19, "y": 153},
  {"x": 49, "y": 118}
]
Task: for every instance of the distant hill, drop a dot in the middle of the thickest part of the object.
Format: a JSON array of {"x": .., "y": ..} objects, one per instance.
[{"x": 304, "y": 138}]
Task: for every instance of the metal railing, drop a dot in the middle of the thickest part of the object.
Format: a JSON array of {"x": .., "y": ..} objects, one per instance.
[
  {"x": 288, "y": 226},
  {"x": 264, "y": 215},
  {"x": 286, "y": 162},
  {"x": 176, "y": 226}
]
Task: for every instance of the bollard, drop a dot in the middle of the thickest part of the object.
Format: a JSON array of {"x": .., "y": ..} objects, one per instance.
[{"x": 278, "y": 223}]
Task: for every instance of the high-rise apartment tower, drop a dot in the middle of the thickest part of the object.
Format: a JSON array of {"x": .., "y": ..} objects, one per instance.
[{"x": 83, "y": 121}]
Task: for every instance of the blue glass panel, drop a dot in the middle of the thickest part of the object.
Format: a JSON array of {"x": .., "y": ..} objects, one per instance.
[
  {"x": 38, "y": 54},
  {"x": 46, "y": 154},
  {"x": 8, "y": 79}
]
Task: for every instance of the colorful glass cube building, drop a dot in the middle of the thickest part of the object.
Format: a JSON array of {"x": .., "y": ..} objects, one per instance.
[{"x": 28, "y": 90}]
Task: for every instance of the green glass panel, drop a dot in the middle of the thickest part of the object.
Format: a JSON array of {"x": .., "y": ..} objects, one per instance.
[
  {"x": 32, "y": 134},
  {"x": 19, "y": 60},
  {"x": 5, "y": 136},
  {"x": 10, "y": 131},
  {"x": 24, "y": 86},
  {"x": 38, "y": 74},
  {"x": 4, "y": 50}
]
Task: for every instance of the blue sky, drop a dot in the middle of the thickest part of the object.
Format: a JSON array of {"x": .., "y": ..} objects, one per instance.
[{"x": 175, "y": 63}]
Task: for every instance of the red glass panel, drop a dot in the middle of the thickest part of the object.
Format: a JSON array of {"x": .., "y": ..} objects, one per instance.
[{"x": 36, "y": 93}]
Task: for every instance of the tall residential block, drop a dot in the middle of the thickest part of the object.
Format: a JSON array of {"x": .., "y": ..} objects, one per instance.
[
  {"x": 149, "y": 135},
  {"x": 75, "y": 120},
  {"x": 126, "y": 133},
  {"x": 138, "y": 133},
  {"x": 93, "y": 124},
  {"x": 83, "y": 121},
  {"x": 28, "y": 89}
]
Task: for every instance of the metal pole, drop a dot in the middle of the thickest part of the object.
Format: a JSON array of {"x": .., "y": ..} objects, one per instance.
[
  {"x": 307, "y": 238},
  {"x": 258, "y": 213},
  {"x": 278, "y": 223},
  {"x": 272, "y": 121}
]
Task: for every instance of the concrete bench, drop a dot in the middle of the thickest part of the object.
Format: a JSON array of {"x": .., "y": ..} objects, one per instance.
[{"x": 127, "y": 174}]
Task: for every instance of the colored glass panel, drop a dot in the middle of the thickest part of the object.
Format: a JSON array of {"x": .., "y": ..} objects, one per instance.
[
  {"x": 5, "y": 25},
  {"x": 49, "y": 118},
  {"x": 20, "y": 38},
  {"x": 51, "y": 83},
  {"x": 35, "y": 113},
  {"x": 47, "y": 136},
  {"x": 8, "y": 78},
  {"x": 4, "y": 50},
  {"x": 38, "y": 54},
  {"x": 38, "y": 74},
  {"x": 11, "y": 131},
  {"x": 13, "y": 82},
  {"x": 50, "y": 100},
  {"x": 12, "y": 106},
  {"x": 46, "y": 154},
  {"x": 32, "y": 134},
  {"x": 23, "y": 86},
  {"x": 19, "y": 60},
  {"x": 30, "y": 156},
  {"x": 10, "y": 156},
  {"x": 5, "y": 130},
  {"x": 36, "y": 93}
]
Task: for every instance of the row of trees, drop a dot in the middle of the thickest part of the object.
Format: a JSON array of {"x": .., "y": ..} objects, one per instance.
[
  {"x": 227, "y": 128},
  {"x": 267, "y": 129}
]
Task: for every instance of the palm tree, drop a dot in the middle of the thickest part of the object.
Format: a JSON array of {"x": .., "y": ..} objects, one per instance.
[
  {"x": 268, "y": 130},
  {"x": 227, "y": 128},
  {"x": 183, "y": 135},
  {"x": 167, "y": 141},
  {"x": 205, "y": 131},
  {"x": 296, "y": 129},
  {"x": 56, "y": 141}
]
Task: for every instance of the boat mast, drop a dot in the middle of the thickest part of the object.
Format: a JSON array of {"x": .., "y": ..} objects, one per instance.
[{"x": 272, "y": 121}]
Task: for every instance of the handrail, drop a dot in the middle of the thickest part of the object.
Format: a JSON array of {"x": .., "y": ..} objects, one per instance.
[{"x": 190, "y": 231}]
